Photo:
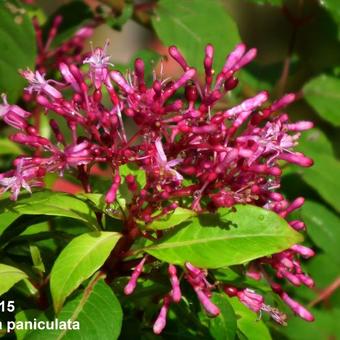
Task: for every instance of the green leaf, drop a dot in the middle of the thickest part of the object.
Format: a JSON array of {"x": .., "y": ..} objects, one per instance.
[
  {"x": 48, "y": 203},
  {"x": 323, "y": 227},
  {"x": 314, "y": 142},
  {"x": 324, "y": 327},
  {"x": 191, "y": 24},
  {"x": 83, "y": 256},
  {"x": 9, "y": 277},
  {"x": 18, "y": 48},
  {"x": 323, "y": 94},
  {"x": 38, "y": 263},
  {"x": 97, "y": 310},
  {"x": 232, "y": 236},
  {"x": 23, "y": 316},
  {"x": 324, "y": 177},
  {"x": 176, "y": 217},
  {"x": 334, "y": 9},
  {"x": 247, "y": 322},
  {"x": 223, "y": 327}
]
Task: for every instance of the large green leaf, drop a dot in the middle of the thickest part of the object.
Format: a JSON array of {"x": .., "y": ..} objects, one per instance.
[
  {"x": 232, "y": 236},
  {"x": 323, "y": 227},
  {"x": 247, "y": 322},
  {"x": 46, "y": 203},
  {"x": 191, "y": 24},
  {"x": 18, "y": 48},
  {"x": 98, "y": 312},
  {"x": 323, "y": 94},
  {"x": 83, "y": 256},
  {"x": 9, "y": 276}
]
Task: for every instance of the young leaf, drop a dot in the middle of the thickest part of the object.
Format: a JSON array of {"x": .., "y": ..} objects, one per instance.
[
  {"x": 18, "y": 48},
  {"x": 97, "y": 310},
  {"x": 38, "y": 263},
  {"x": 9, "y": 277},
  {"x": 323, "y": 94},
  {"x": 83, "y": 256},
  {"x": 197, "y": 23},
  {"x": 323, "y": 227},
  {"x": 247, "y": 322},
  {"x": 231, "y": 237}
]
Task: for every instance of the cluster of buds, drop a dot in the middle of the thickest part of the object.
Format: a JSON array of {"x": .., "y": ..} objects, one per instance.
[
  {"x": 69, "y": 51},
  {"x": 194, "y": 154}
]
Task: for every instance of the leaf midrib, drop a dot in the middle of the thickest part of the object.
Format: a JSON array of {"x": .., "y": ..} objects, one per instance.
[{"x": 221, "y": 238}]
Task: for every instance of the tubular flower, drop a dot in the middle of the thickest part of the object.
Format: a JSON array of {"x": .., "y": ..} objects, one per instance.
[{"x": 194, "y": 153}]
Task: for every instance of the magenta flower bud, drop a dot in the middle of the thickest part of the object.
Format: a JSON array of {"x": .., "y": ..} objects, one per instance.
[
  {"x": 250, "y": 299},
  {"x": 131, "y": 285},
  {"x": 209, "y": 55},
  {"x": 176, "y": 54},
  {"x": 208, "y": 306},
  {"x": 296, "y": 204},
  {"x": 78, "y": 154},
  {"x": 160, "y": 322},
  {"x": 16, "y": 121},
  {"x": 297, "y": 308},
  {"x": 191, "y": 93},
  {"x": 230, "y": 290},
  {"x": 121, "y": 82},
  {"x": 282, "y": 102},
  {"x": 188, "y": 75},
  {"x": 303, "y": 251},
  {"x": 248, "y": 105},
  {"x": 300, "y": 126},
  {"x": 176, "y": 290},
  {"x": 230, "y": 84},
  {"x": 192, "y": 270},
  {"x": 234, "y": 57},
  {"x": 306, "y": 280},
  {"x": 111, "y": 194},
  {"x": 297, "y": 225},
  {"x": 69, "y": 77},
  {"x": 297, "y": 158},
  {"x": 246, "y": 59}
]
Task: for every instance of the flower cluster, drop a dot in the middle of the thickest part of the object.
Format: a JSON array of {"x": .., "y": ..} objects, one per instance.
[{"x": 194, "y": 154}]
